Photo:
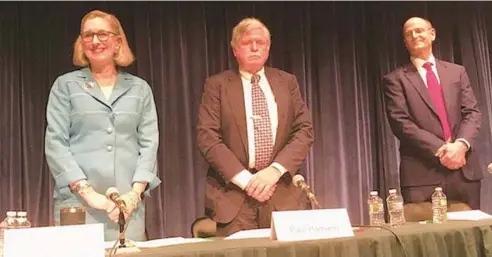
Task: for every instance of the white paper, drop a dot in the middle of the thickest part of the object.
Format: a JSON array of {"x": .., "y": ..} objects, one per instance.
[
  {"x": 160, "y": 242},
  {"x": 169, "y": 241},
  {"x": 468, "y": 215},
  {"x": 252, "y": 233},
  {"x": 61, "y": 241},
  {"x": 311, "y": 224}
]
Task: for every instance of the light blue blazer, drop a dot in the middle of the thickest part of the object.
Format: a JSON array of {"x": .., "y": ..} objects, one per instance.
[{"x": 111, "y": 143}]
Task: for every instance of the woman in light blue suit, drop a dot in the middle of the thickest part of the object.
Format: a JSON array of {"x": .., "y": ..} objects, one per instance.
[{"x": 102, "y": 130}]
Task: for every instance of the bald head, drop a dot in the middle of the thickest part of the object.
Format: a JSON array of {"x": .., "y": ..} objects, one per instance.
[
  {"x": 419, "y": 34},
  {"x": 417, "y": 20}
]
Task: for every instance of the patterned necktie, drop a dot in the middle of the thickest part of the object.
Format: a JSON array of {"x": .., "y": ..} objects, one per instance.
[
  {"x": 435, "y": 92},
  {"x": 262, "y": 125}
]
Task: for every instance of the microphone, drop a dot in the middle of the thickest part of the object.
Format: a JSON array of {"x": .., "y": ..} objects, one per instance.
[
  {"x": 298, "y": 181},
  {"x": 114, "y": 195}
]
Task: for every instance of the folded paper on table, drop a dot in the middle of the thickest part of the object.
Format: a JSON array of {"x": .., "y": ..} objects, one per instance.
[
  {"x": 160, "y": 242},
  {"x": 251, "y": 233},
  {"x": 310, "y": 224},
  {"x": 468, "y": 215},
  {"x": 60, "y": 241}
]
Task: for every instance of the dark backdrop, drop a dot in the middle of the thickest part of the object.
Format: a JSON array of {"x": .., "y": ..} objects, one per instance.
[{"x": 338, "y": 51}]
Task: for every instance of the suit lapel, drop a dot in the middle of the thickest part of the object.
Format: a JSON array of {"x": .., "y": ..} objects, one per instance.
[
  {"x": 235, "y": 95},
  {"x": 122, "y": 85},
  {"x": 447, "y": 91},
  {"x": 281, "y": 96},
  {"x": 91, "y": 87},
  {"x": 417, "y": 82}
]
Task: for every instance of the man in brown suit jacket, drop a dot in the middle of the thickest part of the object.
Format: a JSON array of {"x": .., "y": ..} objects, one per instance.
[
  {"x": 255, "y": 131},
  {"x": 432, "y": 110}
]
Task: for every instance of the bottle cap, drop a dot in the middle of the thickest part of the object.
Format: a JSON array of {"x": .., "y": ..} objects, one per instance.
[
  {"x": 11, "y": 213},
  {"x": 22, "y": 214},
  {"x": 438, "y": 189},
  {"x": 392, "y": 191},
  {"x": 373, "y": 193}
]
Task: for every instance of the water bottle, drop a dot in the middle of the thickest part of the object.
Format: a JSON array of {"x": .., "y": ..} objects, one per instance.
[
  {"x": 395, "y": 208},
  {"x": 376, "y": 209},
  {"x": 8, "y": 223},
  {"x": 22, "y": 221},
  {"x": 439, "y": 206}
]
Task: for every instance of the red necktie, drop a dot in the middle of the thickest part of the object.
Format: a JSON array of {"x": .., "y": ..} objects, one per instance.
[
  {"x": 262, "y": 125},
  {"x": 435, "y": 92}
]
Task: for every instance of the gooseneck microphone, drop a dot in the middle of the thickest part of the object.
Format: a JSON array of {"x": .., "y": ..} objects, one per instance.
[
  {"x": 114, "y": 195},
  {"x": 298, "y": 181}
]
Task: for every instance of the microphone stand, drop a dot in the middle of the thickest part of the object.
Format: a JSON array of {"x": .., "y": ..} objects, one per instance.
[
  {"x": 312, "y": 198},
  {"x": 123, "y": 247},
  {"x": 121, "y": 222},
  {"x": 314, "y": 203}
]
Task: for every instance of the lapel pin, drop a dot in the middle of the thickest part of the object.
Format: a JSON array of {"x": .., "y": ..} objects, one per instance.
[{"x": 88, "y": 85}]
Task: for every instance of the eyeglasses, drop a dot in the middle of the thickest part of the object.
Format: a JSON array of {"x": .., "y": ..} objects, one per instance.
[
  {"x": 417, "y": 31},
  {"x": 102, "y": 35}
]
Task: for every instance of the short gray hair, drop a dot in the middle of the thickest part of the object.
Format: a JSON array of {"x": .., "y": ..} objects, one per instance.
[{"x": 245, "y": 25}]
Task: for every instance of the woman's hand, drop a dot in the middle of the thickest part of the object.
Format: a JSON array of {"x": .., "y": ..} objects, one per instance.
[
  {"x": 131, "y": 199},
  {"x": 96, "y": 200}
]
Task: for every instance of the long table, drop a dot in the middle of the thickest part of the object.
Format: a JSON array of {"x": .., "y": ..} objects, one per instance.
[{"x": 453, "y": 239}]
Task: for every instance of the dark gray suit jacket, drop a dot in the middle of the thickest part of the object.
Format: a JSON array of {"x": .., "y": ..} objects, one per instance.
[{"x": 415, "y": 123}]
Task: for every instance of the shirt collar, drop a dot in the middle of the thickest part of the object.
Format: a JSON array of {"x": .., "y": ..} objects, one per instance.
[
  {"x": 247, "y": 76},
  {"x": 419, "y": 63}
]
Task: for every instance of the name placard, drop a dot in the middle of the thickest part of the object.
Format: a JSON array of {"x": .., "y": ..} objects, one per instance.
[
  {"x": 62, "y": 241},
  {"x": 310, "y": 224}
]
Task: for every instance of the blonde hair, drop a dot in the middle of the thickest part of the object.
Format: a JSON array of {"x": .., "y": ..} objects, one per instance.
[
  {"x": 123, "y": 57},
  {"x": 245, "y": 25}
]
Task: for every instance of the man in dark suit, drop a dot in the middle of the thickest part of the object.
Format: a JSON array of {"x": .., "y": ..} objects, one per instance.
[
  {"x": 432, "y": 110},
  {"x": 255, "y": 131}
]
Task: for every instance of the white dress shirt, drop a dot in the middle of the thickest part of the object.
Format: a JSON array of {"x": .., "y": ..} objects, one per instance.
[
  {"x": 242, "y": 178},
  {"x": 419, "y": 65}
]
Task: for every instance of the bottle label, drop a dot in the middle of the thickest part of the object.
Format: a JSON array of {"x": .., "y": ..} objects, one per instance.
[
  {"x": 375, "y": 208},
  {"x": 444, "y": 202},
  {"x": 397, "y": 205}
]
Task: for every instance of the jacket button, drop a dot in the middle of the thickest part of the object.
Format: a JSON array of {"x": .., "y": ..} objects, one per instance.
[
  {"x": 109, "y": 130},
  {"x": 109, "y": 148}
]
